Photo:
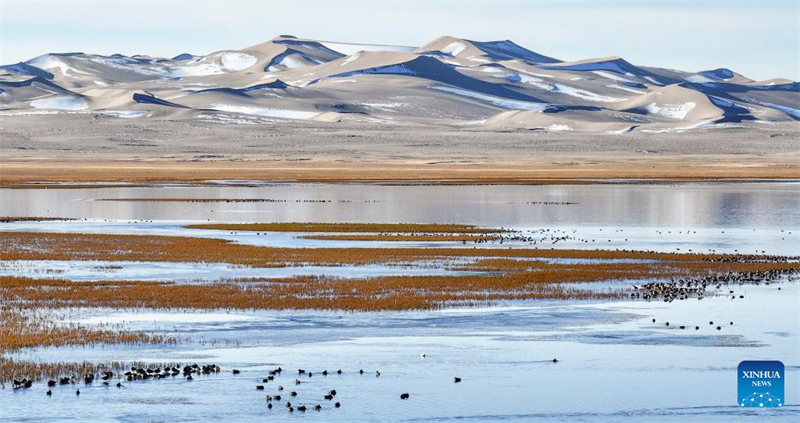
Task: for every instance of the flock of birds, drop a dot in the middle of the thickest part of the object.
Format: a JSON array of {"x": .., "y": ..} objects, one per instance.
[
  {"x": 138, "y": 373},
  {"x": 683, "y": 289}
]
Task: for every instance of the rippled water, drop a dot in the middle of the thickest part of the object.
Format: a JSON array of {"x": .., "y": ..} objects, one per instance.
[{"x": 615, "y": 365}]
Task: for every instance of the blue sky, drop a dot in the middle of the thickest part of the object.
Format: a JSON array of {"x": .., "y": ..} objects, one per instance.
[{"x": 760, "y": 39}]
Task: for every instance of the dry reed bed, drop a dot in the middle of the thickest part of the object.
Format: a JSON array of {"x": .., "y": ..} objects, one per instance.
[
  {"x": 26, "y": 302},
  {"x": 26, "y": 325},
  {"x": 22, "y": 326},
  {"x": 508, "y": 279},
  {"x": 57, "y": 246},
  {"x": 323, "y": 293}
]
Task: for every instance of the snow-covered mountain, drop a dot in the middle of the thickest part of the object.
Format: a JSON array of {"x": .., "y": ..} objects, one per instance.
[{"x": 449, "y": 81}]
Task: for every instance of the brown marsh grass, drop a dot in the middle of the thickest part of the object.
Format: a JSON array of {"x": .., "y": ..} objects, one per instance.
[
  {"x": 29, "y": 327},
  {"x": 58, "y": 246}
]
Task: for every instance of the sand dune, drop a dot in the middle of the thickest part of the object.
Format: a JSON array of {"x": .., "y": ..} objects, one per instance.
[{"x": 449, "y": 81}]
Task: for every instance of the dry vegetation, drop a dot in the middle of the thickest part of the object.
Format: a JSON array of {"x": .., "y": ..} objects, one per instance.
[
  {"x": 26, "y": 318},
  {"x": 504, "y": 280},
  {"x": 23, "y": 326},
  {"x": 57, "y": 246}
]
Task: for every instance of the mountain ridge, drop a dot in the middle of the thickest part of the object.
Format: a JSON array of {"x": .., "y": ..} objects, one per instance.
[{"x": 448, "y": 81}]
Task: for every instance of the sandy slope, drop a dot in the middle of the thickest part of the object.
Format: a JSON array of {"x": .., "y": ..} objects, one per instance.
[{"x": 450, "y": 81}]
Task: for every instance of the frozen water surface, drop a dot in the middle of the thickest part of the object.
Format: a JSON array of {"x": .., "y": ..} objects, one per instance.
[
  {"x": 606, "y": 351},
  {"x": 93, "y": 270},
  {"x": 615, "y": 364}
]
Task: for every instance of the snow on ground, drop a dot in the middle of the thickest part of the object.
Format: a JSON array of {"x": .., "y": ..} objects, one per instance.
[
  {"x": 560, "y": 88},
  {"x": 124, "y": 114},
  {"x": 350, "y": 59},
  {"x": 263, "y": 111},
  {"x": 497, "y": 101},
  {"x": 610, "y": 75},
  {"x": 698, "y": 79},
  {"x": 237, "y": 61},
  {"x": 623, "y": 88},
  {"x": 60, "y": 103},
  {"x": 291, "y": 61},
  {"x": 48, "y": 61},
  {"x": 585, "y": 95},
  {"x": 672, "y": 111},
  {"x": 348, "y": 48},
  {"x": 623, "y": 130},
  {"x": 653, "y": 80},
  {"x": 557, "y": 127},
  {"x": 454, "y": 48},
  {"x": 383, "y": 106},
  {"x": 196, "y": 70}
]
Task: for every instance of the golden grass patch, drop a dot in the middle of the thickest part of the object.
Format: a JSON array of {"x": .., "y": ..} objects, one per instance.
[{"x": 59, "y": 246}]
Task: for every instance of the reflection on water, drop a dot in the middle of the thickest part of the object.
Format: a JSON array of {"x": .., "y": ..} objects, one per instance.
[
  {"x": 698, "y": 217},
  {"x": 696, "y": 205},
  {"x": 615, "y": 364}
]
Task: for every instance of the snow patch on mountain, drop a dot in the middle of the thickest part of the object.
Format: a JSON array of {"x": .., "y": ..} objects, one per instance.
[
  {"x": 60, "y": 103},
  {"x": 263, "y": 111},
  {"x": 497, "y": 101},
  {"x": 672, "y": 111},
  {"x": 237, "y": 61}
]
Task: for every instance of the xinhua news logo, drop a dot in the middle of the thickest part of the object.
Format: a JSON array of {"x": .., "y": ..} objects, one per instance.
[{"x": 761, "y": 384}]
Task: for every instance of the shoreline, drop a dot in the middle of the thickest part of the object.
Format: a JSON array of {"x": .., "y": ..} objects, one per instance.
[{"x": 543, "y": 170}]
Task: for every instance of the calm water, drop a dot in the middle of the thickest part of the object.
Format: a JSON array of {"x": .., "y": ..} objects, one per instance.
[
  {"x": 615, "y": 364},
  {"x": 750, "y": 218}
]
